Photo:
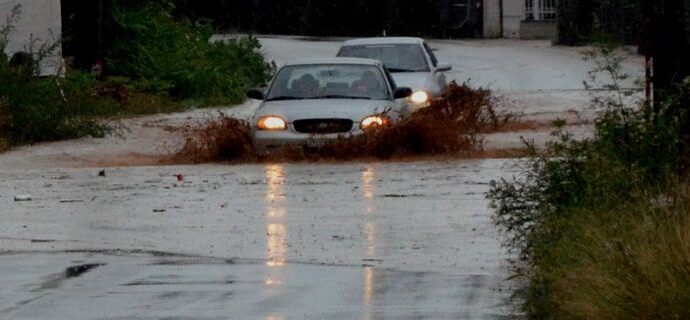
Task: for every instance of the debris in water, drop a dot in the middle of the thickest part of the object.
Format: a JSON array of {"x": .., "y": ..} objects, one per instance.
[
  {"x": 76, "y": 271},
  {"x": 23, "y": 197},
  {"x": 71, "y": 201}
]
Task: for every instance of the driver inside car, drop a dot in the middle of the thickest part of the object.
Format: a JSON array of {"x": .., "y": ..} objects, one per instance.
[
  {"x": 367, "y": 85},
  {"x": 306, "y": 86}
]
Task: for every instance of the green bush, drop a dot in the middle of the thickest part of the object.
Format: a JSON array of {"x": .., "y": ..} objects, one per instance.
[
  {"x": 36, "y": 109},
  {"x": 158, "y": 64},
  {"x": 165, "y": 55},
  {"x": 576, "y": 199},
  {"x": 42, "y": 109}
]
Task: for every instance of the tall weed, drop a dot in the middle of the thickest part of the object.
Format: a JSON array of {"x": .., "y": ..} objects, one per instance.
[{"x": 634, "y": 262}]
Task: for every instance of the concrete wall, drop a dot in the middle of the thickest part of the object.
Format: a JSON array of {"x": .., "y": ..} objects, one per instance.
[
  {"x": 538, "y": 30},
  {"x": 513, "y": 14},
  {"x": 39, "y": 23},
  {"x": 492, "y": 19}
]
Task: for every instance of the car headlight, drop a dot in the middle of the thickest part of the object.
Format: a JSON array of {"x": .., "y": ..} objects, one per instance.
[
  {"x": 374, "y": 122},
  {"x": 271, "y": 123},
  {"x": 420, "y": 97}
]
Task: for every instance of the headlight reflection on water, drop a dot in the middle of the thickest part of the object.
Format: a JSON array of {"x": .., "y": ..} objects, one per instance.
[{"x": 276, "y": 228}]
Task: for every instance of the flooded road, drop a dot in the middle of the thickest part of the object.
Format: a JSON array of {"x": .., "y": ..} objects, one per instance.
[{"x": 270, "y": 241}]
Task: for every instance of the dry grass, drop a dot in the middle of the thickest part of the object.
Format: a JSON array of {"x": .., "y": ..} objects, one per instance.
[
  {"x": 637, "y": 266},
  {"x": 451, "y": 126}
]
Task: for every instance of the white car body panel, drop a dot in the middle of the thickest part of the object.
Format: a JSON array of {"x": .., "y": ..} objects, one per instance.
[{"x": 291, "y": 111}]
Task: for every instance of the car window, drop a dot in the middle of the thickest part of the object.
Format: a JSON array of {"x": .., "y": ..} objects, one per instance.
[
  {"x": 329, "y": 81},
  {"x": 434, "y": 60},
  {"x": 390, "y": 79},
  {"x": 396, "y": 57}
]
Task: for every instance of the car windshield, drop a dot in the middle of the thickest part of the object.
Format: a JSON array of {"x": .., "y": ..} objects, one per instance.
[
  {"x": 329, "y": 81},
  {"x": 397, "y": 57}
]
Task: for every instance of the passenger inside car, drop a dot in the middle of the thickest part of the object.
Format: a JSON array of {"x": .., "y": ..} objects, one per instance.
[
  {"x": 367, "y": 85},
  {"x": 306, "y": 86}
]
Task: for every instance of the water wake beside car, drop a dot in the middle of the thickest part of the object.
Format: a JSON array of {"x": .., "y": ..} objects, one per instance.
[{"x": 451, "y": 126}]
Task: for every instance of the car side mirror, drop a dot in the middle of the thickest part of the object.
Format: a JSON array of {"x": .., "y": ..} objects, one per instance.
[
  {"x": 443, "y": 67},
  {"x": 256, "y": 94},
  {"x": 402, "y": 92}
]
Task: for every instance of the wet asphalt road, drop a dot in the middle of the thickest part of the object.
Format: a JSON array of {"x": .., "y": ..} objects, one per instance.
[{"x": 268, "y": 241}]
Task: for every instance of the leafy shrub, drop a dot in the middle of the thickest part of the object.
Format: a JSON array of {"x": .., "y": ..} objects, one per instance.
[
  {"x": 164, "y": 55},
  {"x": 577, "y": 202},
  {"x": 39, "y": 109}
]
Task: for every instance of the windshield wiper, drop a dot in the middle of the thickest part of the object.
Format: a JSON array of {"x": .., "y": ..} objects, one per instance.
[
  {"x": 335, "y": 96},
  {"x": 280, "y": 98}
]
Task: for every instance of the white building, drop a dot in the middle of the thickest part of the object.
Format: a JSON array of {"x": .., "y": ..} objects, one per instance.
[
  {"x": 525, "y": 19},
  {"x": 38, "y": 23}
]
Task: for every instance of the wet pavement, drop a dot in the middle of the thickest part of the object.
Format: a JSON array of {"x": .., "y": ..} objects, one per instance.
[
  {"x": 272, "y": 241},
  {"x": 276, "y": 241}
]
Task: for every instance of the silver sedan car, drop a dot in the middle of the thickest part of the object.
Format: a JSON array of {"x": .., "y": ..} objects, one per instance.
[
  {"x": 410, "y": 60},
  {"x": 311, "y": 102}
]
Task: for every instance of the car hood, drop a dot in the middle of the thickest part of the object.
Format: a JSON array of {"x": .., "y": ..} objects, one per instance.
[
  {"x": 413, "y": 80},
  {"x": 292, "y": 110}
]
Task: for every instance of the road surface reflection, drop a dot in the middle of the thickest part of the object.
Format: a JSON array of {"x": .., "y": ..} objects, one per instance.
[
  {"x": 276, "y": 229},
  {"x": 368, "y": 194}
]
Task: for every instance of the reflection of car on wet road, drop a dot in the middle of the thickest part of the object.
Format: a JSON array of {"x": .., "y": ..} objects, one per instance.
[
  {"x": 311, "y": 102},
  {"x": 410, "y": 60}
]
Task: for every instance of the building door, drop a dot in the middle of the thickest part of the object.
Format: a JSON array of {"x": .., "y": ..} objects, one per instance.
[{"x": 464, "y": 18}]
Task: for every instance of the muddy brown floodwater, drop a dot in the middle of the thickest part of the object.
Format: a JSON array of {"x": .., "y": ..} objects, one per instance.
[
  {"x": 356, "y": 240},
  {"x": 271, "y": 241}
]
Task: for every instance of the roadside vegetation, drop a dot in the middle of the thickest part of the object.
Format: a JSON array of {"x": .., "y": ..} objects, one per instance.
[
  {"x": 162, "y": 55},
  {"x": 451, "y": 126},
  {"x": 603, "y": 225},
  {"x": 159, "y": 64},
  {"x": 38, "y": 109}
]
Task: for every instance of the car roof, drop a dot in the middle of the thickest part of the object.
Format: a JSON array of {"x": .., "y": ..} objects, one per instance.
[
  {"x": 337, "y": 60},
  {"x": 384, "y": 40}
]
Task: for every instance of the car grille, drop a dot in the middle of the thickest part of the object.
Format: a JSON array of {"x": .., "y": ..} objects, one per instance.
[{"x": 323, "y": 126}]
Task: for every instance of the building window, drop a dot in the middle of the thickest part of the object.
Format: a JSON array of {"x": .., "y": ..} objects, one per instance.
[{"x": 540, "y": 9}]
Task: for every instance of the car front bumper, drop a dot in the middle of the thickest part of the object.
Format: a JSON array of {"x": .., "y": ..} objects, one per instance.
[{"x": 267, "y": 141}]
